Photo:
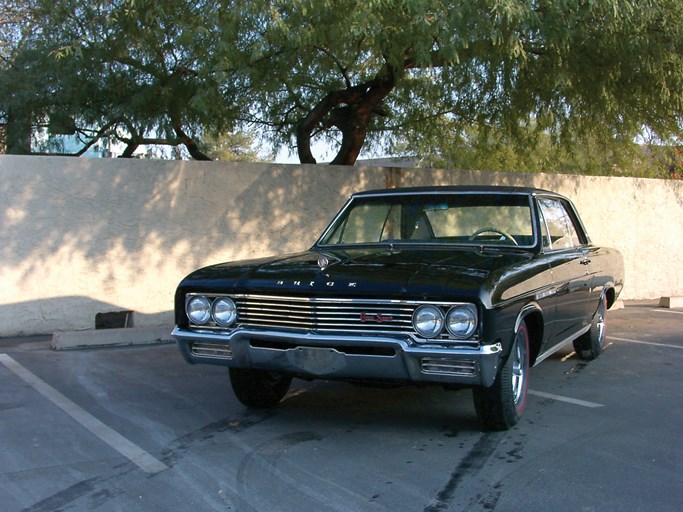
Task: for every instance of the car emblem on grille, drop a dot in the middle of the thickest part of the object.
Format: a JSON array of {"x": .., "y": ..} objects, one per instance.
[
  {"x": 323, "y": 262},
  {"x": 378, "y": 318}
]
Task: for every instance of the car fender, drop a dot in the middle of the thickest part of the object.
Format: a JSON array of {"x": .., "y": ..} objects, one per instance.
[
  {"x": 536, "y": 327},
  {"x": 526, "y": 311}
]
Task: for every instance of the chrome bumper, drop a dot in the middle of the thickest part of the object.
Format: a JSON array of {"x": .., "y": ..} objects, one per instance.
[{"x": 342, "y": 356}]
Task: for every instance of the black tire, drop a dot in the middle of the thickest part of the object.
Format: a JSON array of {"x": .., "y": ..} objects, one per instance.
[
  {"x": 501, "y": 406},
  {"x": 259, "y": 389},
  {"x": 590, "y": 345}
]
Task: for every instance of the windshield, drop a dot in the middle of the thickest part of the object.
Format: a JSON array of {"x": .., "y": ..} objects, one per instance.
[{"x": 458, "y": 218}]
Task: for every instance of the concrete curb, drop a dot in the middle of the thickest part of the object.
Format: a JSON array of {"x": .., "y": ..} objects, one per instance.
[
  {"x": 111, "y": 337},
  {"x": 619, "y": 304},
  {"x": 671, "y": 302}
]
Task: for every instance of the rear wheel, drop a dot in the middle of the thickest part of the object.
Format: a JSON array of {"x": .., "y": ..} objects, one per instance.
[
  {"x": 501, "y": 406},
  {"x": 260, "y": 389},
  {"x": 590, "y": 345}
]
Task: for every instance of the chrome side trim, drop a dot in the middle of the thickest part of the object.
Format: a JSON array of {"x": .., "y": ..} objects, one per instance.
[
  {"x": 561, "y": 344},
  {"x": 524, "y": 312}
]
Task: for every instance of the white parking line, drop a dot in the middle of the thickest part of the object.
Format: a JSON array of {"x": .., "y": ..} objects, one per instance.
[
  {"x": 134, "y": 453},
  {"x": 669, "y": 311},
  {"x": 566, "y": 399},
  {"x": 667, "y": 345}
]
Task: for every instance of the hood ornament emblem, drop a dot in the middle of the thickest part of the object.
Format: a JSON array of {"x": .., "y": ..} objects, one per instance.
[{"x": 323, "y": 262}]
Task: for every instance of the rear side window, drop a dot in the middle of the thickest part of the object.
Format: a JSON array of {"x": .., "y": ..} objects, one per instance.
[{"x": 559, "y": 231}]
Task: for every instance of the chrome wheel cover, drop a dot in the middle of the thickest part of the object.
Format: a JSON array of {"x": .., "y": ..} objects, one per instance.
[
  {"x": 519, "y": 367},
  {"x": 600, "y": 321}
]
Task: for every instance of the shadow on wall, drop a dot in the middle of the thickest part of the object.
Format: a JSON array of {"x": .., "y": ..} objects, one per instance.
[
  {"x": 567, "y": 184},
  {"x": 123, "y": 233},
  {"x": 283, "y": 210},
  {"x": 98, "y": 208},
  {"x": 40, "y": 317},
  {"x": 126, "y": 232},
  {"x": 570, "y": 185}
]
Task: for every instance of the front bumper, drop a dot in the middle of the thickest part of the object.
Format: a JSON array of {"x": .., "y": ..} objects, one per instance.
[{"x": 343, "y": 356}]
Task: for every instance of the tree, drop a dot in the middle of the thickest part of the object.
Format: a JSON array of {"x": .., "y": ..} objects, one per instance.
[
  {"x": 394, "y": 73},
  {"x": 16, "y": 27},
  {"x": 231, "y": 147},
  {"x": 140, "y": 71},
  {"x": 470, "y": 149},
  {"x": 419, "y": 70}
]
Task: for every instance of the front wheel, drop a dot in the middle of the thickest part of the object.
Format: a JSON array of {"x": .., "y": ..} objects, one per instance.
[
  {"x": 501, "y": 406},
  {"x": 588, "y": 346},
  {"x": 260, "y": 389}
]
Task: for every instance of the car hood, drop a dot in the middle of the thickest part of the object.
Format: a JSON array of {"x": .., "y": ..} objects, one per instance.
[{"x": 374, "y": 272}]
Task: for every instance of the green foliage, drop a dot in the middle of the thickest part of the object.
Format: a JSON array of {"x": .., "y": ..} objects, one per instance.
[
  {"x": 139, "y": 71},
  {"x": 602, "y": 69},
  {"x": 239, "y": 147},
  {"x": 529, "y": 82},
  {"x": 587, "y": 156}
]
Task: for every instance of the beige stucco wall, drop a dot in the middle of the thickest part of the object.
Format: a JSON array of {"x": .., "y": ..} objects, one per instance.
[{"x": 79, "y": 236}]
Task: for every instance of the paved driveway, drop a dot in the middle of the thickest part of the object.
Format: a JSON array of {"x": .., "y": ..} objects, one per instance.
[{"x": 139, "y": 429}]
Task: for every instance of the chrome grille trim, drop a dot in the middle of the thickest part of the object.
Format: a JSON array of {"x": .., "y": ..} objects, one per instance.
[
  {"x": 330, "y": 314},
  {"x": 324, "y": 315},
  {"x": 450, "y": 367},
  {"x": 211, "y": 350}
]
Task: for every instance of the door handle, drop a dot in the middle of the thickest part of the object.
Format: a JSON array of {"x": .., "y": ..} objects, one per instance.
[{"x": 585, "y": 261}]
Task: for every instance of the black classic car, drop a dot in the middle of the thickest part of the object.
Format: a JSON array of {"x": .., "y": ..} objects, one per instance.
[{"x": 454, "y": 286}]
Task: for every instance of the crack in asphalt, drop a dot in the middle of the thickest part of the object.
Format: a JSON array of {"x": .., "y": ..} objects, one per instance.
[
  {"x": 470, "y": 464},
  {"x": 174, "y": 452}
]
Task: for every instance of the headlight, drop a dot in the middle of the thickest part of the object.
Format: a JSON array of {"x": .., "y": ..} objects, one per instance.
[
  {"x": 224, "y": 311},
  {"x": 428, "y": 321},
  {"x": 198, "y": 310},
  {"x": 461, "y": 320}
]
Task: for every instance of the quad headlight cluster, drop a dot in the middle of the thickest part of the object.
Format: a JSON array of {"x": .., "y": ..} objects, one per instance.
[
  {"x": 429, "y": 320},
  {"x": 201, "y": 310}
]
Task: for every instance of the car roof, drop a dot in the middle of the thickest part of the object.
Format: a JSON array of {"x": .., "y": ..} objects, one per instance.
[{"x": 452, "y": 189}]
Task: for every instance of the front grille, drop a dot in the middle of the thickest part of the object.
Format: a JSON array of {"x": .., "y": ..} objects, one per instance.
[
  {"x": 331, "y": 315},
  {"x": 325, "y": 315}
]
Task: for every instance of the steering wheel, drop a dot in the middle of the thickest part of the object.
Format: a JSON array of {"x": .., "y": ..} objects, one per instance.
[{"x": 505, "y": 235}]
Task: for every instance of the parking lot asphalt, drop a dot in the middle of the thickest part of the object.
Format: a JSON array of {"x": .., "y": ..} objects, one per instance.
[{"x": 136, "y": 428}]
